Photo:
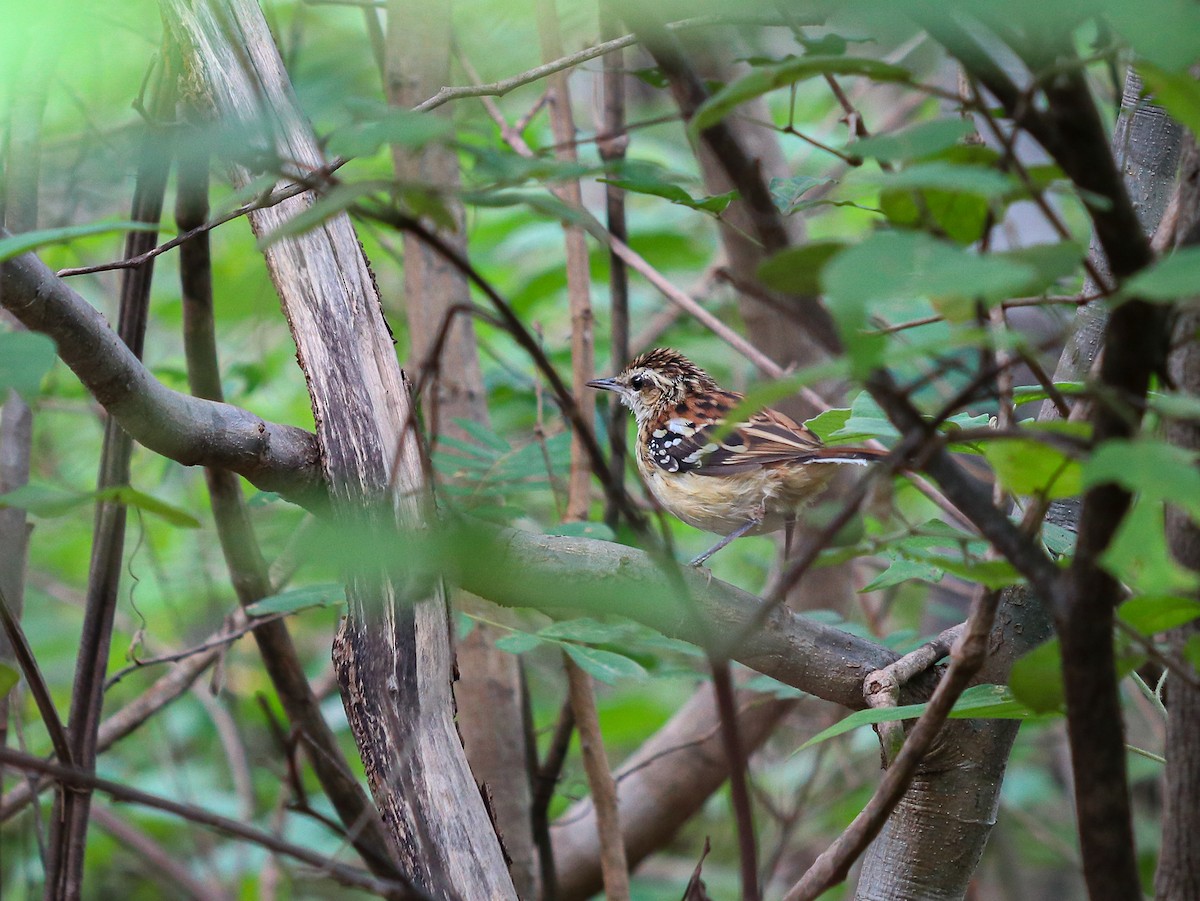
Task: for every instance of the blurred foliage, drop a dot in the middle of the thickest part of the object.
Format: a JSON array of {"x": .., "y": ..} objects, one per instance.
[{"x": 892, "y": 239}]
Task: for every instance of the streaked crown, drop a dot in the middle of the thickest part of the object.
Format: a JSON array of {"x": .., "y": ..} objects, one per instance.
[{"x": 657, "y": 380}]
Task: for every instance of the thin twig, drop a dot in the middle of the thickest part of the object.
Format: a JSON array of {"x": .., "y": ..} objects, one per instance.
[
  {"x": 740, "y": 796},
  {"x": 34, "y": 680},
  {"x": 339, "y": 872}
]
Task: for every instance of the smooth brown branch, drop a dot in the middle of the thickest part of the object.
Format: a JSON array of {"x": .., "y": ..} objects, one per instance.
[{"x": 967, "y": 657}]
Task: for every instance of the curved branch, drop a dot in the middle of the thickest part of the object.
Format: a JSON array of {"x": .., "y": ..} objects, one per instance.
[{"x": 186, "y": 429}]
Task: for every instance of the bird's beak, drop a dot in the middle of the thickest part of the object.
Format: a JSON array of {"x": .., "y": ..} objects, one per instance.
[{"x": 605, "y": 384}]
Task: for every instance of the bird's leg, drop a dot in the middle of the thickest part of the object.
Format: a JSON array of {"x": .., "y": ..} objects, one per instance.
[
  {"x": 736, "y": 533},
  {"x": 789, "y": 532}
]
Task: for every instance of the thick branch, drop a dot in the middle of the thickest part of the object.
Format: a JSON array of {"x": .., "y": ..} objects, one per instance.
[{"x": 186, "y": 429}]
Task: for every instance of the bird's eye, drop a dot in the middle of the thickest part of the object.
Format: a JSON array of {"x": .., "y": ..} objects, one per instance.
[{"x": 637, "y": 383}]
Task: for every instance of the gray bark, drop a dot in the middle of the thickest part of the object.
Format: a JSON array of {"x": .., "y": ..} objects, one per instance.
[{"x": 392, "y": 653}]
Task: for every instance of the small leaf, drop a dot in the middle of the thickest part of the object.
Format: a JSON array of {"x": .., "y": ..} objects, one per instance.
[
  {"x": 25, "y": 358},
  {"x": 325, "y": 594},
  {"x": 945, "y": 176},
  {"x": 131, "y": 497},
  {"x": 989, "y": 573},
  {"x": 825, "y": 424},
  {"x": 518, "y": 642},
  {"x": 669, "y": 191},
  {"x": 786, "y": 192},
  {"x": 606, "y": 666},
  {"x": 915, "y": 141},
  {"x": 1036, "y": 678},
  {"x": 8, "y": 678},
  {"x": 788, "y": 72},
  {"x": 15, "y": 245},
  {"x": 333, "y": 203},
  {"x": 587, "y": 630},
  {"x": 903, "y": 570},
  {"x": 1156, "y": 469},
  {"x": 866, "y": 420}
]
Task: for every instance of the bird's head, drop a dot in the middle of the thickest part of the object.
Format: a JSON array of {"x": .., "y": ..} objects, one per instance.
[{"x": 656, "y": 382}]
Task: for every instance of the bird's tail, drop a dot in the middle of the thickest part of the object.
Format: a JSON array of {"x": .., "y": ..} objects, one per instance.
[{"x": 860, "y": 456}]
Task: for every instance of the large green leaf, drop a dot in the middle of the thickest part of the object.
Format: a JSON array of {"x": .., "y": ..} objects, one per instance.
[
  {"x": 797, "y": 270},
  {"x": 25, "y": 358},
  {"x": 1157, "y": 613},
  {"x": 131, "y": 497},
  {"x": 607, "y": 666},
  {"x": 768, "y": 78},
  {"x": 1157, "y": 470},
  {"x": 1036, "y": 678},
  {"x": 8, "y": 678},
  {"x": 1177, "y": 92}
]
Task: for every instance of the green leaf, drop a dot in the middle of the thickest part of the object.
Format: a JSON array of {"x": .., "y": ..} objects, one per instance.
[
  {"x": 1027, "y": 394},
  {"x": 398, "y": 126},
  {"x": 962, "y": 217},
  {"x": 945, "y": 176},
  {"x": 131, "y": 497},
  {"x": 1026, "y": 467},
  {"x": 1156, "y": 469},
  {"x": 325, "y": 594},
  {"x": 825, "y": 424},
  {"x": 977, "y": 702},
  {"x": 769, "y": 686},
  {"x": 915, "y": 141},
  {"x": 1036, "y": 678},
  {"x": 15, "y": 245},
  {"x": 41, "y": 499},
  {"x": 587, "y": 630},
  {"x": 788, "y": 72},
  {"x": 989, "y": 573},
  {"x": 648, "y": 181},
  {"x": 1139, "y": 557},
  {"x": 786, "y": 193},
  {"x": 8, "y": 678},
  {"x": 1176, "y": 92},
  {"x": 866, "y": 420},
  {"x": 1171, "y": 278},
  {"x": 25, "y": 358},
  {"x": 1150, "y": 614},
  {"x": 597, "y": 530},
  {"x": 518, "y": 642},
  {"x": 903, "y": 570},
  {"x": 797, "y": 270},
  {"x": 483, "y": 435},
  {"x": 606, "y": 666}
]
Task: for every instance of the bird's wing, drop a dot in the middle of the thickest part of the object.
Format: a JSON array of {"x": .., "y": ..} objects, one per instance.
[{"x": 695, "y": 437}]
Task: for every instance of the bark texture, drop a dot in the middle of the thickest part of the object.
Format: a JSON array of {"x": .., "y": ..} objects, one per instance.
[
  {"x": 392, "y": 653},
  {"x": 1178, "y": 876},
  {"x": 489, "y": 687}
]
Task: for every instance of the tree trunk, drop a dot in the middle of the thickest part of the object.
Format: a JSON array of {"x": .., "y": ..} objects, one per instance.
[
  {"x": 392, "y": 653},
  {"x": 488, "y": 692}
]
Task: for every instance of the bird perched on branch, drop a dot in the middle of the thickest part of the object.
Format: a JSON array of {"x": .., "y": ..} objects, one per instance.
[{"x": 748, "y": 479}]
